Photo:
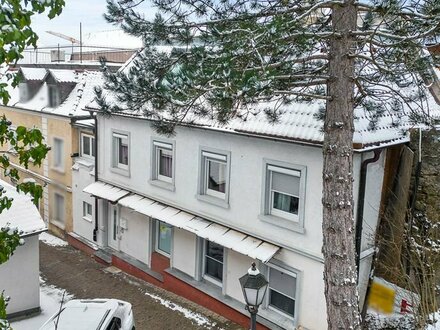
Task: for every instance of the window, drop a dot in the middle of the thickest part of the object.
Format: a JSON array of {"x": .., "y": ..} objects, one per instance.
[
  {"x": 54, "y": 96},
  {"x": 284, "y": 192},
  {"x": 58, "y": 156},
  {"x": 284, "y": 195},
  {"x": 163, "y": 238},
  {"x": 162, "y": 161},
  {"x": 58, "y": 214},
  {"x": 120, "y": 151},
  {"x": 87, "y": 211},
  {"x": 87, "y": 145},
  {"x": 213, "y": 262},
  {"x": 214, "y": 175},
  {"x": 282, "y": 290},
  {"x": 23, "y": 90}
]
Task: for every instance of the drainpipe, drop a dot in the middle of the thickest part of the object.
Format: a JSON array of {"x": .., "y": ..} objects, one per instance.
[
  {"x": 95, "y": 230},
  {"x": 361, "y": 204}
]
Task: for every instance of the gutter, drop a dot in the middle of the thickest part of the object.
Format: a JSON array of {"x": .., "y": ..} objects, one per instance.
[
  {"x": 361, "y": 205},
  {"x": 95, "y": 230}
]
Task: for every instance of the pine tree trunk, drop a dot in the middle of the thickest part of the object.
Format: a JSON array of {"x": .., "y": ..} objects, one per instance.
[{"x": 338, "y": 222}]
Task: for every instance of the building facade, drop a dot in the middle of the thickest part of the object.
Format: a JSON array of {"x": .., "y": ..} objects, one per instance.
[
  {"x": 50, "y": 100},
  {"x": 192, "y": 212}
]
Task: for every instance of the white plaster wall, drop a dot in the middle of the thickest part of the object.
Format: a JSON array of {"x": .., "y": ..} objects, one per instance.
[
  {"x": 135, "y": 239},
  {"x": 311, "y": 300},
  {"x": 184, "y": 251},
  {"x": 373, "y": 196},
  {"x": 245, "y": 181},
  {"x": 236, "y": 266},
  {"x": 364, "y": 275},
  {"x": 81, "y": 178},
  {"x": 19, "y": 277}
]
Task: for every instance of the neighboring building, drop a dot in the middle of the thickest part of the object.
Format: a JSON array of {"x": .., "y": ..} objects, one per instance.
[
  {"x": 190, "y": 213},
  {"x": 51, "y": 99},
  {"x": 19, "y": 276}
]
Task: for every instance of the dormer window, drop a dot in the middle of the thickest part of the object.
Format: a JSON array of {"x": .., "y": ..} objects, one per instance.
[
  {"x": 23, "y": 90},
  {"x": 54, "y": 96}
]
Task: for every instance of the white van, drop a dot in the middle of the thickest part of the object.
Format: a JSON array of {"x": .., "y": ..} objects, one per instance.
[{"x": 92, "y": 314}]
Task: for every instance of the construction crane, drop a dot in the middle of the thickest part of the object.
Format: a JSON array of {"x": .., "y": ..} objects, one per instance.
[{"x": 63, "y": 36}]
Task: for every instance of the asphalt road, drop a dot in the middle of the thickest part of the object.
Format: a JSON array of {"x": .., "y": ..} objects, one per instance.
[{"x": 70, "y": 269}]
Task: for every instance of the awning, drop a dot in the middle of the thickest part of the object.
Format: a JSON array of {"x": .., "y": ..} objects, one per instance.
[
  {"x": 105, "y": 191},
  {"x": 227, "y": 237}
]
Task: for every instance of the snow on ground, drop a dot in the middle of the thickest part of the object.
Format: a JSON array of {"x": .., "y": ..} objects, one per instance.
[
  {"x": 52, "y": 240},
  {"x": 50, "y": 300},
  {"x": 196, "y": 317},
  {"x": 377, "y": 321},
  {"x": 436, "y": 319}
]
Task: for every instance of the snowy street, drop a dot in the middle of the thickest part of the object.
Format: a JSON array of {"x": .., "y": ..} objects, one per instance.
[{"x": 64, "y": 269}]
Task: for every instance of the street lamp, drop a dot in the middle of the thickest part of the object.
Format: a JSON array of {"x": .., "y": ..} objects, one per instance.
[{"x": 254, "y": 286}]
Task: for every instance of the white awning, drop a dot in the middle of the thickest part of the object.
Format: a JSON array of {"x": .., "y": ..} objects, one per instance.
[
  {"x": 105, "y": 191},
  {"x": 227, "y": 237}
]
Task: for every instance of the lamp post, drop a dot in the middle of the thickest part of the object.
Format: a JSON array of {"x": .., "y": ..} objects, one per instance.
[{"x": 254, "y": 286}]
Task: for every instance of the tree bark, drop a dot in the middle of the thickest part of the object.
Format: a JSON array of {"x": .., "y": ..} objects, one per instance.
[{"x": 338, "y": 221}]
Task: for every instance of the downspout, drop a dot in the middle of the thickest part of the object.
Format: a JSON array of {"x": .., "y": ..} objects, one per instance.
[
  {"x": 95, "y": 230},
  {"x": 361, "y": 204}
]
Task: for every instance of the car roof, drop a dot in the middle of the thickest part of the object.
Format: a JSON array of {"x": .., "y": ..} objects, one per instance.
[{"x": 82, "y": 314}]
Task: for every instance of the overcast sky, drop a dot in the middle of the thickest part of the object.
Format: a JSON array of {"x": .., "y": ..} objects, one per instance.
[{"x": 88, "y": 12}]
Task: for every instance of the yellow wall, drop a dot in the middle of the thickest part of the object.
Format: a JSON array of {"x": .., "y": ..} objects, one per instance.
[{"x": 61, "y": 179}]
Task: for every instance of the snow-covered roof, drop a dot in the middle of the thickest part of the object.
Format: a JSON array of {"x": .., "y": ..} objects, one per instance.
[
  {"x": 75, "y": 103},
  {"x": 23, "y": 214},
  {"x": 33, "y": 73},
  {"x": 300, "y": 122},
  {"x": 63, "y": 76}
]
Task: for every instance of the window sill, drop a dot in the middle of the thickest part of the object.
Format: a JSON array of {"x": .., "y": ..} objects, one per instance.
[
  {"x": 58, "y": 169},
  {"x": 120, "y": 171},
  {"x": 58, "y": 223},
  {"x": 87, "y": 219},
  {"x": 283, "y": 223},
  {"x": 161, "y": 184},
  {"x": 213, "y": 200}
]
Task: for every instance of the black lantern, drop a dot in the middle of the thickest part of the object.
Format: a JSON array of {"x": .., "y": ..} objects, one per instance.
[{"x": 254, "y": 286}]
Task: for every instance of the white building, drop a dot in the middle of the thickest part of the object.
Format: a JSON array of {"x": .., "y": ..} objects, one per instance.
[
  {"x": 19, "y": 276},
  {"x": 190, "y": 213}
]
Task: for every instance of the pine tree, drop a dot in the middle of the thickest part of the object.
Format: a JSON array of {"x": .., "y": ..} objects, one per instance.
[{"x": 230, "y": 55}]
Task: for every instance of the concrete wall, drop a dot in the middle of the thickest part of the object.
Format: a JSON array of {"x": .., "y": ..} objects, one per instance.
[{"x": 19, "y": 277}]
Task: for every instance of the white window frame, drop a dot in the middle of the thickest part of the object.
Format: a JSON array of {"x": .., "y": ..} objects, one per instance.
[
  {"x": 290, "y": 272},
  {"x": 55, "y": 220},
  {"x": 161, "y": 180},
  {"x": 208, "y": 155},
  {"x": 276, "y": 212},
  {"x": 58, "y": 167},
  {"x": 294, "y": 222},
  {"x": 91, "y": 142},
  {"x": 207, "y": 277},
  {"x": 118, "y": 136},
  {"x": 156, "y": 239},
  {"x": 86, "y": 215}
]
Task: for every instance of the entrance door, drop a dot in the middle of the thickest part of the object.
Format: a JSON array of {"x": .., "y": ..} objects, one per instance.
[{"x": 113, "y": 225}]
